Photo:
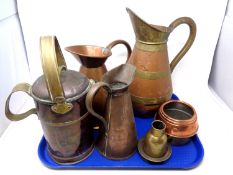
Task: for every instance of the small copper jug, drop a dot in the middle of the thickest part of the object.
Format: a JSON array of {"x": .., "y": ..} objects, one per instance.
[
  {"x": 152, "y": 84},
  {"x": 59, "y": 96},
  {"x": 92, "y": 58},
  {"x": 118, "y": 138}
]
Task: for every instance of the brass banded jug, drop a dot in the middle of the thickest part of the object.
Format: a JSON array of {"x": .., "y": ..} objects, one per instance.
[
  {"x": 152, "y": 84},
  {"x": 59, "y": 96}
]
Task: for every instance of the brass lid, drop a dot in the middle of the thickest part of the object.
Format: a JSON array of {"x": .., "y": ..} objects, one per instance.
[{"x": 74, "y": 84}]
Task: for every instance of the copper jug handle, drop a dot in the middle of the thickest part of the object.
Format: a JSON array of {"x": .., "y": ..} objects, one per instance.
[
  {"x": 53, "y": 63},
  {"x": 189, "y": 42},
  {"x": 116, "y": 42},
  {"x": 89, "y": 101},
  {"x": 24, "y": 87}
]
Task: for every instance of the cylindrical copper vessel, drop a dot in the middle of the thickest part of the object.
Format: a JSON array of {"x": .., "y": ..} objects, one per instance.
[
  {"x": 180, "y": 119},
  {"x": 59, "y": 97},
  {"x": 152, "y": 84}
]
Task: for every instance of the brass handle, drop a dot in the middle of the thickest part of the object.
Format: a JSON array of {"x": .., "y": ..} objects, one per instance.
[
  {"x": 89, "y": 101},
  {"x": 189, "y": 42},
  {"x": 53, "y": 63},
  {"x": 116, "y": 42},
  {"x": 16, "y": 117}
]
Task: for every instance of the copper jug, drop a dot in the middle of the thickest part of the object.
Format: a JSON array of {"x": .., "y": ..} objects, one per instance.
[
  {"x": 118, "y": 138},
  {"x": 92, "y": 59},
  {"x": 152, "y": 84},
  {"x": 59, "y": 96}
]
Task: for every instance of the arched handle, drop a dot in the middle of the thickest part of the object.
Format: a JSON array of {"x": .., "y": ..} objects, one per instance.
[
  {"x": 116, "y": 42},
  {"x": 89, "y": 102},
  {"x": 16, "y": 117},
  {"x": 53, "y": 62},
  {"x": 189, "y": 42}
]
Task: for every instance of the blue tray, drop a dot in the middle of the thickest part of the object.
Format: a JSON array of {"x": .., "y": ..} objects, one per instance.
[{"x": 183, "y": 157}]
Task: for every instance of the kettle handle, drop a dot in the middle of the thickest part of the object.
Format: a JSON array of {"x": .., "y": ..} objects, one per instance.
[
  {"x": 189, "y": 42},
  {"x": 24, "y": 87},
  {"x": 53, "y": 63},
  {"x": 89, "y": 101},
  {"x": 116, "y": 42}
]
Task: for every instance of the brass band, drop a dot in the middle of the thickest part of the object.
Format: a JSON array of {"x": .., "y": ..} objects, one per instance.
[
  {"x": 60, "y": 124},
  {"x": 151, "y": 75},
  {"x": 150, "y": 47},
  {"x": 151, "y": 101}
]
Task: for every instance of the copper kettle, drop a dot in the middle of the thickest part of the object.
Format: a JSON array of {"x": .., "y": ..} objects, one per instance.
[{"x": 118, "y": 138}]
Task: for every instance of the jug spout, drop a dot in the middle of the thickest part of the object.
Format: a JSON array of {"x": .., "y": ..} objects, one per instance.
[{"x": 147, "y": 33}]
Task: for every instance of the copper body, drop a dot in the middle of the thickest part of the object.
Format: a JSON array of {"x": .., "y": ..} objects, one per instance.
[
  {"x": 180, "y": 119},
  {"x": 152, "y": 84},
  {"x": 118, "y": 137}
]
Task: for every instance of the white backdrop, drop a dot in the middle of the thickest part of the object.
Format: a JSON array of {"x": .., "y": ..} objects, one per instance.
[{"x": 100, "y": 22}]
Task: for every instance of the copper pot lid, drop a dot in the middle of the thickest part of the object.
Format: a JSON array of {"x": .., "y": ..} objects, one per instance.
[
  {"x": 74, "y": 84},
  {"x": 179, "y": 117}
]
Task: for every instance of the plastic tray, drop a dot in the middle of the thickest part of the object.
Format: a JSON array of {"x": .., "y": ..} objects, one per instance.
[{"x": 183, "y": 157}]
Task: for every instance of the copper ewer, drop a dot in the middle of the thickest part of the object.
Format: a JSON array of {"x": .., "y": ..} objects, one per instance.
[
  {"x": 59, "y": 96},
  {"x": 118, "y": 138},
  {"x": 180, "y": 119},
  {"x": 152, "y": 84}
]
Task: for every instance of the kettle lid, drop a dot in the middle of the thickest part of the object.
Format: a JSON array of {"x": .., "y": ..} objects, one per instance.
[{"x": 74, "y": 84}]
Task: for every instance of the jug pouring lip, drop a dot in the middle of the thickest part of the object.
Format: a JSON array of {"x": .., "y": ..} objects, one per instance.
[
  {"x": 160, "y": 28},
  {"x": 91, "y": 51}
]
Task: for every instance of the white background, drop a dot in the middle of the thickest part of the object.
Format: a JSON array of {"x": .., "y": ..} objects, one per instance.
[{"x": 100, "y": 22}]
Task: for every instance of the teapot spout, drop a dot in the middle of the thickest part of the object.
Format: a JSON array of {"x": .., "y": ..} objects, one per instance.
[{"x": 147, "y": 33}]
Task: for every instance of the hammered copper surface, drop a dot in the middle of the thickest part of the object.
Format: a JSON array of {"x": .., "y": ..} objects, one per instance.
[
  {"x": 152, "y": 84},
  {"x": 118, "y": 136}
]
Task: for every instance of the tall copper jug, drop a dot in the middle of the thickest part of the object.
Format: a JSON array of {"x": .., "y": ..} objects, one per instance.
[
  {"x": 118, "y": 138},
  {"x": 152, "y": 84},
  {"x": 59, "y": 96}
]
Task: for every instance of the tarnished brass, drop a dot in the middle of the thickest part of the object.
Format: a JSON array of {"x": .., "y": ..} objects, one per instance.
[
  {"x": 150, "y": 56},
  {"x": 59, "y": 96},
  {"x": 92, "y": 59},
  {"x": 154, "y": 146},
  {"x": 180, "y": 119},
  {"x": 118, "y": 138}
]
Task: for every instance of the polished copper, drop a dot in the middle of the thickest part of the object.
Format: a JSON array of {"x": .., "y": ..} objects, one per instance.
[
  {"x": 59, "y": 97},
  {"x": 180, "y": 119},
  {"x": 118, "y": 136},
  {"x": 154, "y": 146},
  {"x": 152, "y": 84}
]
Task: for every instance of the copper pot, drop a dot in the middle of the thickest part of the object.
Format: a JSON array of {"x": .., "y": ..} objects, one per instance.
[{"x": 180, "y": 119}]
